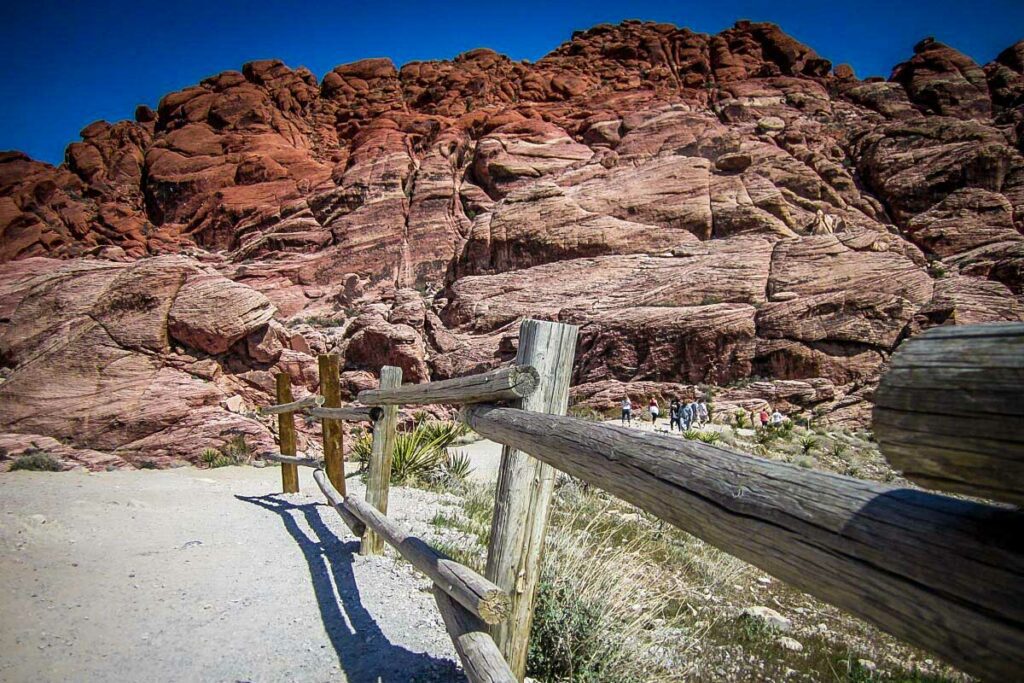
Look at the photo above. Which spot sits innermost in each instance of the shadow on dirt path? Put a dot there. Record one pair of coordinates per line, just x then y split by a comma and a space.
365, 655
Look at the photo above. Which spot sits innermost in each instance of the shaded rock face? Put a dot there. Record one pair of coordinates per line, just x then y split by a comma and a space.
708, 208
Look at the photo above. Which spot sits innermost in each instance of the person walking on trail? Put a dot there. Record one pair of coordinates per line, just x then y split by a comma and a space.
703, 416
675, 415
777, 418
653, 408
689, 414
627, 411
764, 417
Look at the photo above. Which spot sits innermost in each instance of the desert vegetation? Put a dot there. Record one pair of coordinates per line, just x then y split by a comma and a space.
626, 597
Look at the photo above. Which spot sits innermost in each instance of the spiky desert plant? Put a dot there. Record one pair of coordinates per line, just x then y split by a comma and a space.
709, 437
692, 434
418, 455
740, 419
808, 443
456, 467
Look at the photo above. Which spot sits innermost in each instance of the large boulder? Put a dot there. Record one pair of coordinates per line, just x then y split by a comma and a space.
89, 345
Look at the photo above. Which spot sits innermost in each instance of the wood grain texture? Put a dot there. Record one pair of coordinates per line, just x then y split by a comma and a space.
291, 406
286, 433
465, 586
503, 384
481, 660
292, 460
943, 574
949, 412
524, 488
336, 501
351, 413
333, 435
378, 480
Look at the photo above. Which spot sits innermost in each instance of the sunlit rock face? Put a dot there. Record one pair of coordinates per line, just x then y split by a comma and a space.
708, 208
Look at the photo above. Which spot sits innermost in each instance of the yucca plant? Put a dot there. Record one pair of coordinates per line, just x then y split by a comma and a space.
709, 437
691, 434
456, 466
808, 443
417, 456
740, 419
839, 449
446, 432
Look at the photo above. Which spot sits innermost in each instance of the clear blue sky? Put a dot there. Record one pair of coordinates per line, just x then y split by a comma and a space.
69, 63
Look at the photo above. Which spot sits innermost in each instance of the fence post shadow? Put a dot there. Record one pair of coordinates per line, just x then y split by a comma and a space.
365, 655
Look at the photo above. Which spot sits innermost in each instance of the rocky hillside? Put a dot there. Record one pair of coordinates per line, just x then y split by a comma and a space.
711, 209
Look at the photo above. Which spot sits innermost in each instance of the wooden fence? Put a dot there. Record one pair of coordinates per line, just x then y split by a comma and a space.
942, 573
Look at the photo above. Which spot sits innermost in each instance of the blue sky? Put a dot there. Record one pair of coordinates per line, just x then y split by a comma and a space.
67, 63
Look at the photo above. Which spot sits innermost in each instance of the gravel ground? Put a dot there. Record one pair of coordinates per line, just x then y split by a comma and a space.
188, 574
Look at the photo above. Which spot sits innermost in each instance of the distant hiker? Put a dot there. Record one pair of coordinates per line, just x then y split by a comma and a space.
703, 416
690, 414
777, 418
763, 417
675, 415
627, 411
653, 407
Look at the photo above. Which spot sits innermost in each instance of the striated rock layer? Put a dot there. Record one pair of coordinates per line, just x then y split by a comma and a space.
709, 208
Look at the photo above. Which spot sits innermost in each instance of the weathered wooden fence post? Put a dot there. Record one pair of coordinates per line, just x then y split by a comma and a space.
379, 479
286, 433
524, 489
330, 389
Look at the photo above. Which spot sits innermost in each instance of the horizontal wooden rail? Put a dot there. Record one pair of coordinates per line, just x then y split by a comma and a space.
292, 459
472, 591
338, 503
294, 406
351, 413
941, 573
949, 410
503, 384
481, 660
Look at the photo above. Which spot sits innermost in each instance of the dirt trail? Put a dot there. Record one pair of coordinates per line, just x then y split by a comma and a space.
188, 575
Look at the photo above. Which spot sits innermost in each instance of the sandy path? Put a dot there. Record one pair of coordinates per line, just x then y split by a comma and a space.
188, 575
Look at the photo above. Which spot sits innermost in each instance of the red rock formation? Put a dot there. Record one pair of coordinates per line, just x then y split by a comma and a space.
707, 207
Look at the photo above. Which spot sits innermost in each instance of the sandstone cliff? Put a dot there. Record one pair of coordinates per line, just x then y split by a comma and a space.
709, 208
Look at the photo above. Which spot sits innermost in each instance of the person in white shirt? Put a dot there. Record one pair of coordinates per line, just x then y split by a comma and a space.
627, 411
777, 419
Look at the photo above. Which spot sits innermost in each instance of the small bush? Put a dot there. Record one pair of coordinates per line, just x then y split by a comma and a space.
709, 437
692, 434
808, 444
456, 467
740, 419
38, 461
839, 449
586, 413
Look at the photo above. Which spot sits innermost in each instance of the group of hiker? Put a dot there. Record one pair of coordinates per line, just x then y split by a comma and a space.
686, 416
695, 414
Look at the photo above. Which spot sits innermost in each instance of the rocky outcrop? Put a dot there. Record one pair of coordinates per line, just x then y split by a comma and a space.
708, 208
132, 359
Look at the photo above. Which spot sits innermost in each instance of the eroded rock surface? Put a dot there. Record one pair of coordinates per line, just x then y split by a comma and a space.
709, 208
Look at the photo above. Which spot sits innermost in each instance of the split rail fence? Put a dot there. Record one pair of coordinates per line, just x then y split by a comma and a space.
942, 573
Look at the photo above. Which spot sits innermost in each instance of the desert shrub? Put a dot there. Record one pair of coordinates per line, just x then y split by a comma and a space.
235, 452
692, 434
709, 437
456, 467
808, 444
420, 454
739, 419
586, 413
839, 449
36, 461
